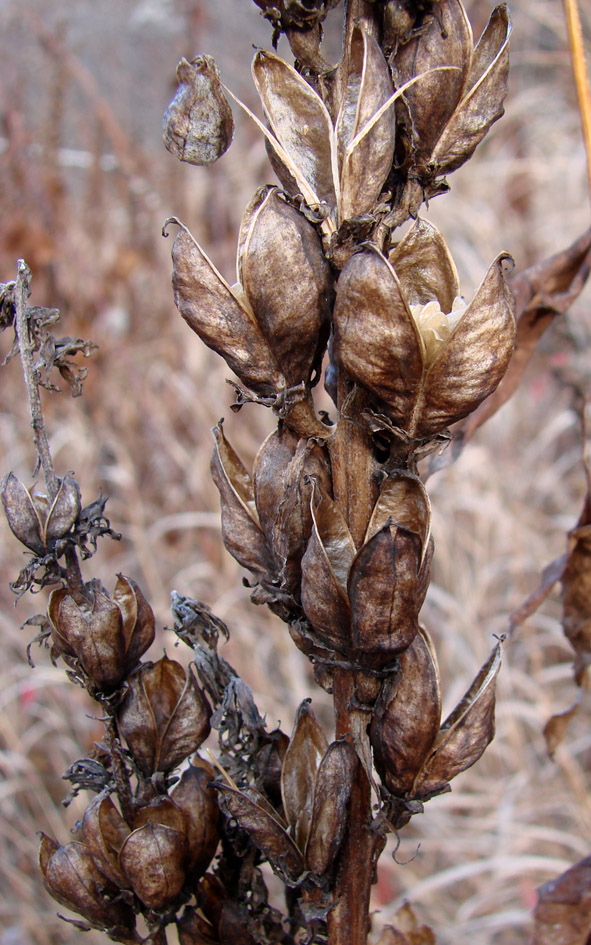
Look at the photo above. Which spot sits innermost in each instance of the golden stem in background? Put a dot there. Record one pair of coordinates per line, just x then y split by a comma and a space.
575, 38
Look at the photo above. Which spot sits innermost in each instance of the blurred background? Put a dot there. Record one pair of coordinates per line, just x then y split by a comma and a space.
85, 185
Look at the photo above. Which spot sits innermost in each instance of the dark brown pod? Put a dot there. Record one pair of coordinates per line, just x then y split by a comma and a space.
72, 878
198, 803
198, 124
334, 781
33, 519
193, 929
163, 716
307, 746
152, 860
105, 832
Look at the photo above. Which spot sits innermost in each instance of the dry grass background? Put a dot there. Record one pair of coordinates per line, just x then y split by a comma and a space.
84, 188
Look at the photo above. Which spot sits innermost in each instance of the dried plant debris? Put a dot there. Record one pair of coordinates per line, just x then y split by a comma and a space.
563, 913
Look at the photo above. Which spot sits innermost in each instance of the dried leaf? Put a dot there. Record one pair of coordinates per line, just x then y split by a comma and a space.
307, 746
406, 720
557, 726
465, 733
563, 913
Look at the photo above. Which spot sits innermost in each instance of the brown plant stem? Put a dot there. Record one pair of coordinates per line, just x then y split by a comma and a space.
575, 38
21, 293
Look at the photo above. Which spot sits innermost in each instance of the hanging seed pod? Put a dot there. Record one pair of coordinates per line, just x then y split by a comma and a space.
164, 716
198, 124
152, 860
107, 637
33, 519
71, 876
198, 802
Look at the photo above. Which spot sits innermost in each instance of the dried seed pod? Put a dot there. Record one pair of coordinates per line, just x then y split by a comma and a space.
269, 761
71, 876
198, 803
284, 469
198, 124
152, 860
307, 746
333, 785
163, 716
241, 530
406, 720
33, 519
193, 929
107, 637
105, 832
429, 366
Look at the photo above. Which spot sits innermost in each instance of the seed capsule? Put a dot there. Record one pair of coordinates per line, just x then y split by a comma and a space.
198, 124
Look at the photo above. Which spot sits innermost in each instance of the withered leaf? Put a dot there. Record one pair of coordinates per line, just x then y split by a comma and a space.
307, 746
406, 720
465, 733
334, 782
220, 318
265, 830
563, 913
151, 859
301, 124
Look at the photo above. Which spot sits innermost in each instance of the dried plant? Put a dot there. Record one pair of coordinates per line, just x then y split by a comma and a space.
333, 524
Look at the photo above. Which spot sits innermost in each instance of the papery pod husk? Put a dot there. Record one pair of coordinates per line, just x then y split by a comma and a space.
445, 39
334, 782
365, 160
287, 280
152, 859
325, 570
376, 341
465, 733
406, 719
198, 125
138, 620
198, 802
105, 831
301, 124
269, 762
164, 716
307, 746
21, 515
283, 472
95, 638
476, 356
482, 97
424, 265
63, 511
193, 929
265, 830
383, 595
161, 810
241, 531
73, 879
33, 519
404, 501
223, 321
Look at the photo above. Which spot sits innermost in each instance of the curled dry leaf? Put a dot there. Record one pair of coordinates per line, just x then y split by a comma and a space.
563, 913
198, 124
163, 716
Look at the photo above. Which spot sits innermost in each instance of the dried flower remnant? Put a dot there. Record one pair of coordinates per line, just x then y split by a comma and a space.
198, 124
385, 339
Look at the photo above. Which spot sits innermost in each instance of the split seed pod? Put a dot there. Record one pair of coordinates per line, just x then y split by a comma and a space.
271, 327
198, 124
33, 519
164, 716
403, 332
109, 636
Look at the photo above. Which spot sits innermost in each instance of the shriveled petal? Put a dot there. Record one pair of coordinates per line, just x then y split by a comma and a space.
365, 159
241, 531
287, 280
406, 720
445, 39
301, 124
383, 595
425, 268
222, 321
377, 342
306, 748
465, 733
483, 97
475, 358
